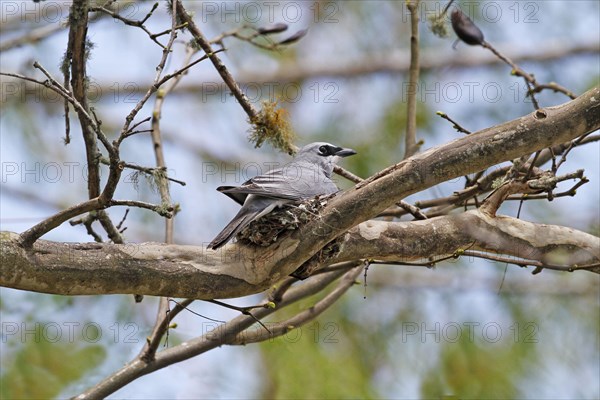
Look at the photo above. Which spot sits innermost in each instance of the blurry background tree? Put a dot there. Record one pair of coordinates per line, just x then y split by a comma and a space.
471, 328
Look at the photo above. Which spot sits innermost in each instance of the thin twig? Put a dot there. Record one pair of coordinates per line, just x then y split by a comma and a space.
533, 86
166, 212
251, 37
455, 124
278, 291
346, 174
132, 132
35, 232
158, 82
130, 22
517, 71
56, 87
556, 88
149, 171
244, 311
300, 319
164, 318
183, 15
120, 224
571, 146
413, 210
167, 31
184, 69
60, 90
87, 222
526, 263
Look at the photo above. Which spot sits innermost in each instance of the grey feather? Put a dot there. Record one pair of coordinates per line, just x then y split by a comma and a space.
307, 176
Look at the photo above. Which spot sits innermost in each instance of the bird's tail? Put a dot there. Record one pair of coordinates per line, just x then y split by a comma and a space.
239, 222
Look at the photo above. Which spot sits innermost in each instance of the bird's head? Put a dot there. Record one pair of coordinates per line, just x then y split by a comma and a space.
323, 154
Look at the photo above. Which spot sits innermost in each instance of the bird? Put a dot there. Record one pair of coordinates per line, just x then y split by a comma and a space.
308, 175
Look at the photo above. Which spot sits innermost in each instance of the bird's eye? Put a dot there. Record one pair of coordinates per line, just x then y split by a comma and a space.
324, 150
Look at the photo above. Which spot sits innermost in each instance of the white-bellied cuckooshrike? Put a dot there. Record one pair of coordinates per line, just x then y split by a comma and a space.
307, 176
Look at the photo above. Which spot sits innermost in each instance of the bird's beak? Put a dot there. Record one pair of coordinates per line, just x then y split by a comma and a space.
345, 152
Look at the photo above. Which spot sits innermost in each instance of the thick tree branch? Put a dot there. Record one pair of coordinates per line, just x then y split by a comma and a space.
76, 55
475, 230
193, 272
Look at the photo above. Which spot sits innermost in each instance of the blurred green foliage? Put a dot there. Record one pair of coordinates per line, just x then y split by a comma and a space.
42, 370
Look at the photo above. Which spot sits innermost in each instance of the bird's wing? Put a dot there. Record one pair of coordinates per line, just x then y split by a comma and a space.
289, 184
275, 189
298, 181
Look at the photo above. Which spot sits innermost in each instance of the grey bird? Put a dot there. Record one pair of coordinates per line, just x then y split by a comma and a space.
307, 176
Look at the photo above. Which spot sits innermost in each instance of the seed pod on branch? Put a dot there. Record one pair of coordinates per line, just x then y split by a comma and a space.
466, 29
272, 28
295, 37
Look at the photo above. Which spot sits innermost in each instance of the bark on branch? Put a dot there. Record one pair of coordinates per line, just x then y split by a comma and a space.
194, 272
